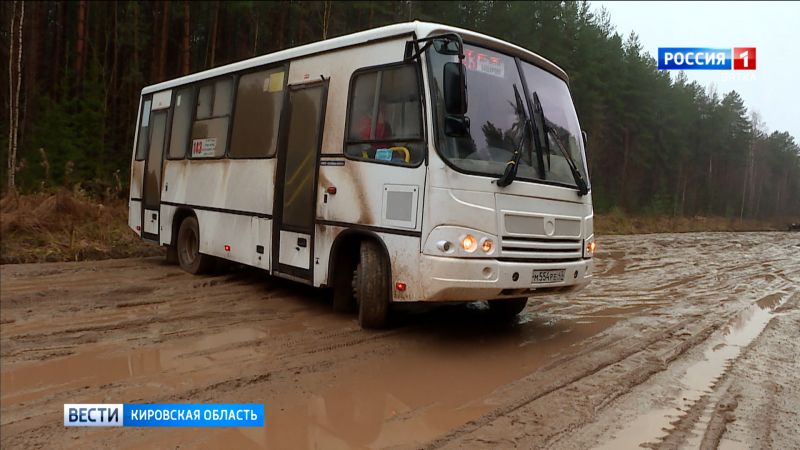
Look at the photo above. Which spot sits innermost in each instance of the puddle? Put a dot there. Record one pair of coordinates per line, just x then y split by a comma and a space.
104, 364
438, 383
444, 374
699, 378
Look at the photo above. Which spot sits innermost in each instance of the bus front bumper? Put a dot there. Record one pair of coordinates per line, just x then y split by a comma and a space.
466, 279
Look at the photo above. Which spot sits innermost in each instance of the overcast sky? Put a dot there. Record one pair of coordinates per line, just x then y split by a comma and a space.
773, 89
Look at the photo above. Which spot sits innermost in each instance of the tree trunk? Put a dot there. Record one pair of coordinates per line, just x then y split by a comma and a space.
255, 34
80, 47
214, 28
14, 97
326, 17
371, 14
282, 26
744, 187
710, 185
626, 140
683, 195
19, 86
185, 51
162, 53
55, 74
33, 57
115, 56
135, 8
155, 54
11, 154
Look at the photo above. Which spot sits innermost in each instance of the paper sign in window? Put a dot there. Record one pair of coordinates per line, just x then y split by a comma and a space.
204, 148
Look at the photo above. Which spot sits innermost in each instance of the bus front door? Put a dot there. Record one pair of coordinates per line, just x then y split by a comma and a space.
296, 180
151, 193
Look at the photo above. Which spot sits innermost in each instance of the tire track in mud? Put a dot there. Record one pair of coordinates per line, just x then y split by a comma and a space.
703, 424
460, 437
707, 400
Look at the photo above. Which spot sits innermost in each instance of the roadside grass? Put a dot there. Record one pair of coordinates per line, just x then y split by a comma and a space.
66, 226
71, 226
617, 222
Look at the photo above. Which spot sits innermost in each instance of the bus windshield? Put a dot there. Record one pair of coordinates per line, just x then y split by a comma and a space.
496, 127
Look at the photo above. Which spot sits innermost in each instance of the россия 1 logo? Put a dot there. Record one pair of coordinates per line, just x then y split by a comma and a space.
702, 58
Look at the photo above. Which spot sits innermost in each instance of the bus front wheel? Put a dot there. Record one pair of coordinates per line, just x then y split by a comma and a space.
371, 286
189, 256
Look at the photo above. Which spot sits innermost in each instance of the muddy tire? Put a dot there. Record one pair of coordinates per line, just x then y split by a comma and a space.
189, 256
506, 309
372, 286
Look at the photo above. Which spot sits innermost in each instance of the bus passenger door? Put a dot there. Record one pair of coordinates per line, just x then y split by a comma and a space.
151, 190
296, 180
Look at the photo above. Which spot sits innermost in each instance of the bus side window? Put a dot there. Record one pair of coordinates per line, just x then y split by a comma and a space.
181, 121
212, 118
259, 98
144, 130
385, 116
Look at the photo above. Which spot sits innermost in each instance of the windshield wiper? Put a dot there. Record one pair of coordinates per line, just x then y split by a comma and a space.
583, 188
511, 166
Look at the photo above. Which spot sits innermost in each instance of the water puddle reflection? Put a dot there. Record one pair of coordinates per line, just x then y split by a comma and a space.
104, 364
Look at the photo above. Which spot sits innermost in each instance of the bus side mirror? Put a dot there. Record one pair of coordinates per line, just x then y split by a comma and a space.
456, 126
585, 139
455, 89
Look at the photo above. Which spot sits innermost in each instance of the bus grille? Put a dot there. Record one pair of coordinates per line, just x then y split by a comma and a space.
542, 249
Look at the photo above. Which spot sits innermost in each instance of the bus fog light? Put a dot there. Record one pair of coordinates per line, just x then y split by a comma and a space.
469, 243
444, 246
487, 245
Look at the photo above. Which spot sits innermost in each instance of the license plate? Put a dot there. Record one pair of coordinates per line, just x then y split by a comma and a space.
547, 276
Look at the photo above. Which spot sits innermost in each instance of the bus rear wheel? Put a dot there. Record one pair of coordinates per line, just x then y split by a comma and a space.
509, 308
371, 286
189, 256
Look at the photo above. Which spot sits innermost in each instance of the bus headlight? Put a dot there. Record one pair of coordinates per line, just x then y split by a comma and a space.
450, 240
469, 243
590, 248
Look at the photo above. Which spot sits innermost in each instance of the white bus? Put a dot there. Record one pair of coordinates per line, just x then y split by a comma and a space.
413, 162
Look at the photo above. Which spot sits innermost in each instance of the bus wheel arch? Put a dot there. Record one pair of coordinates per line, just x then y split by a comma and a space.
172, 248
186, 242
346, 253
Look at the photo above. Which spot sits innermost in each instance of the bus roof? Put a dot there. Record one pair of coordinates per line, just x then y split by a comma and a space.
420, 29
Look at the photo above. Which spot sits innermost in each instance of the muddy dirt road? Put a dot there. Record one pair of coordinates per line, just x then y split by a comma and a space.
682, 341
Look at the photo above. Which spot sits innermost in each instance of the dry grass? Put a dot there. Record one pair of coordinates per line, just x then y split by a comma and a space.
618, 223
66, 226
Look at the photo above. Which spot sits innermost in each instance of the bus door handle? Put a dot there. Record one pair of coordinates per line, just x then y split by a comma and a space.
302, 242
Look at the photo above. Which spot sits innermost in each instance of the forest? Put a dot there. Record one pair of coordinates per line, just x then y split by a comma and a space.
658, 144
